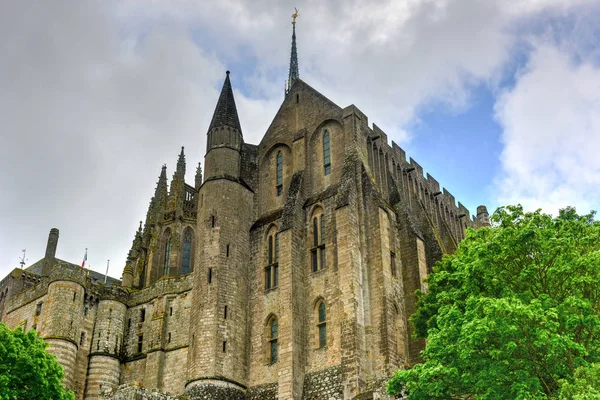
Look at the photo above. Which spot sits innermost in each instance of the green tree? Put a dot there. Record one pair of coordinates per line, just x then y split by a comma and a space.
27, 371
585, 386
513, 313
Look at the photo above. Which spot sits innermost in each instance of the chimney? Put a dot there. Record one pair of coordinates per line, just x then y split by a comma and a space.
50, 251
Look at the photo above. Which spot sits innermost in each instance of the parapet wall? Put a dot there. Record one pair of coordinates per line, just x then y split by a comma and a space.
410, 172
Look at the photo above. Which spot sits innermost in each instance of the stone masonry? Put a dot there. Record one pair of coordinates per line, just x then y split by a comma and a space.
287, 270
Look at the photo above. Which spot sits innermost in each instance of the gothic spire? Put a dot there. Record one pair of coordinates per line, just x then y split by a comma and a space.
181, 163
226, 112
198, 180
160, 194
294, 74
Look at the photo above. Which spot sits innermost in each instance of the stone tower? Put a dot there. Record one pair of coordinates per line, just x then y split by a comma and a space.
218, 324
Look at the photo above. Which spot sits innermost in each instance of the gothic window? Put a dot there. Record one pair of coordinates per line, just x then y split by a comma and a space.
326, 154
167, 252
279, 174
186, 252
322, 324
273, 330
272, 268
393, 263
318, 255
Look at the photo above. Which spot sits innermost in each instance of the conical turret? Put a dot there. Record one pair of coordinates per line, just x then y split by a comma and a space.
225, 114
224, 138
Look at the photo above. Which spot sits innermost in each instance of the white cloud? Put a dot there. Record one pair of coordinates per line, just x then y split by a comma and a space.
551, 122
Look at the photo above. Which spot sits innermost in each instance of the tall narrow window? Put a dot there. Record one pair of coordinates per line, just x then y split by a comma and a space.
322, 244
393, 263
186, 252
326, 154
318, 255
279, 174
322, 325
315, 259
140, 343
167, 253
273, 333
272, 268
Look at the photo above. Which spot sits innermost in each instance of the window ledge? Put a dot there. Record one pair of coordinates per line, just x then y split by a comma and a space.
273, 289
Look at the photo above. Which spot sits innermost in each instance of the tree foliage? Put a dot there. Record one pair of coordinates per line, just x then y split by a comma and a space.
513, 314
27, 371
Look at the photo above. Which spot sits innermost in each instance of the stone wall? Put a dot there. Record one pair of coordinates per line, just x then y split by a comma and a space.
325, 384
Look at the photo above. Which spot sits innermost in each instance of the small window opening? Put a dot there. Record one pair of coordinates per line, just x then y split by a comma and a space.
85, 310
129, 323
225, 313
142, 315
82, 338
279, 174
169, 338
212, 221
393, 263
38, 309
140, 343
210, 275
170, 311
273, 334
227, 251
322, 325
74, 296
297, 98
224, 346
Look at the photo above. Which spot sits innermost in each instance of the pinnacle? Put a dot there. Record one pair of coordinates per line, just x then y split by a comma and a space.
225, 111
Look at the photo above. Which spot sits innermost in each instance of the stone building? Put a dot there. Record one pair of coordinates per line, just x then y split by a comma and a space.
287, 271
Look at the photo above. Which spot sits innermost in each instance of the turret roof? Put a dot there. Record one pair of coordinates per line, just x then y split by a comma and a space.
226, 112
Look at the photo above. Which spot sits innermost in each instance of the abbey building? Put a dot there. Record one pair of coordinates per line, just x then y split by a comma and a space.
287, 271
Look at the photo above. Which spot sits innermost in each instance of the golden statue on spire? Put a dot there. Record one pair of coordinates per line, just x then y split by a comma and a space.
294, 16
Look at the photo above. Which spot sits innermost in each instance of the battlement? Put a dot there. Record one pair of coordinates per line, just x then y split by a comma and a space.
405, 172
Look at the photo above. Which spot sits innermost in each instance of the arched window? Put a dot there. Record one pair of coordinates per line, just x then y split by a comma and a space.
272, 268
326, 154
167, 253
279, 174
273, 334
186, 252
322, 324
318, 250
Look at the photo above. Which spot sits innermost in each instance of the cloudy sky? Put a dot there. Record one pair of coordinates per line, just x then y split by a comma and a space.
499, 100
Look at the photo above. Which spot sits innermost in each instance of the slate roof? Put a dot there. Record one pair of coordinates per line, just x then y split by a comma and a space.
226, 112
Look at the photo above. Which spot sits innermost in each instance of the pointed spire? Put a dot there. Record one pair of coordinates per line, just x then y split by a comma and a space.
160, 194
198, 180
181, 164
226, 112
294, 74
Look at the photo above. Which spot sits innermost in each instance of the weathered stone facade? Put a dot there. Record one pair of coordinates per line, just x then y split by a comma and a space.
287, 271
